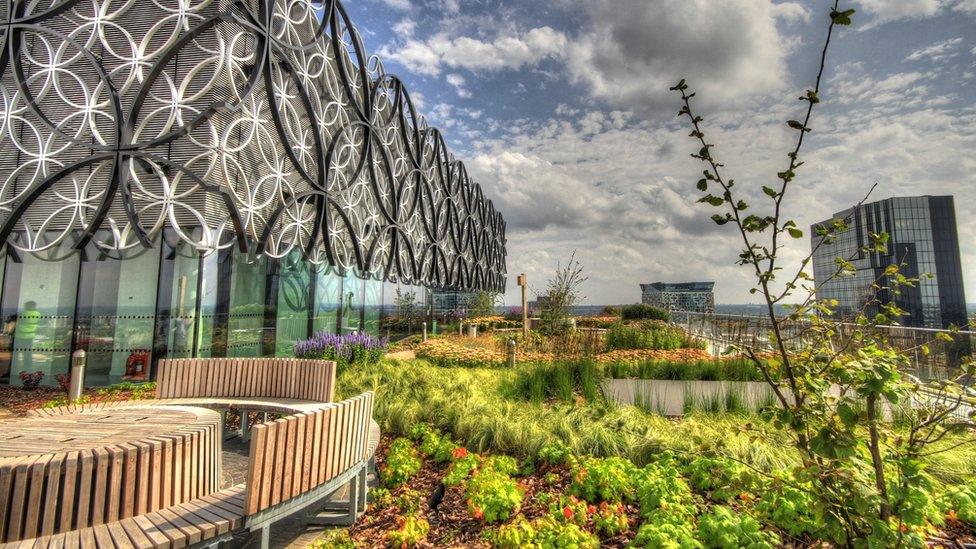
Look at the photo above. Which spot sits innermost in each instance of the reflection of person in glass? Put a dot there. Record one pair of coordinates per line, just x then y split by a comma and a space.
27, 323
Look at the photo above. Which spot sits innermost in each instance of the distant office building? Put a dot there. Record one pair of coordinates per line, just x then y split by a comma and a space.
445, 301
680, 296
923, 238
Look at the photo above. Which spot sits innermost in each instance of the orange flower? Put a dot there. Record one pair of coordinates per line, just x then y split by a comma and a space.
567, 512
590, 509
459, 452
603, 506
478, 513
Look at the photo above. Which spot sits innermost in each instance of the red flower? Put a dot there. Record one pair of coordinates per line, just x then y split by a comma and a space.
590, 509
603, 506
459, 452
567, 512
478, 513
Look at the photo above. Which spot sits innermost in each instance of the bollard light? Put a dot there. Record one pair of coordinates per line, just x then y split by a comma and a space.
77, 383
424, 326
511, 353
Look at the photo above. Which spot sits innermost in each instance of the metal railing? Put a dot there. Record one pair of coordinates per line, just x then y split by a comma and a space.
939, 362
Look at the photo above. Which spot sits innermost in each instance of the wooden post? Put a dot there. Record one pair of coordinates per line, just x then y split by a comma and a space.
525, 305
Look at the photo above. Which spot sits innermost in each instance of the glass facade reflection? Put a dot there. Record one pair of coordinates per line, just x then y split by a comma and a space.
923, 240
129, 309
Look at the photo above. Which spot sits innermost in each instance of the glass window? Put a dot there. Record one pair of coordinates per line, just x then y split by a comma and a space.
293, 305
373, 298
117, 313
352, 302
245, 316
208, 328
328, 286
178, 302
38, 313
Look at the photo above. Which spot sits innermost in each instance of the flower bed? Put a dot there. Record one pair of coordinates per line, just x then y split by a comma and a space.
358, 348
482, 352
452, 497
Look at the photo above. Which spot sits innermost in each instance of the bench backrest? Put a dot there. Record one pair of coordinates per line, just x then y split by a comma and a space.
293, 378
295, 454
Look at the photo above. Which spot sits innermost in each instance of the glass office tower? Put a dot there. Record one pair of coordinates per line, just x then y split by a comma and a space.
923, 240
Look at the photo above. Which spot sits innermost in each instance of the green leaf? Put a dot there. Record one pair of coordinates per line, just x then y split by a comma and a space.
770, 192
711, 199
720, 219
797, 125
794, 232
681, 86
702, 185
841, 17
847, 415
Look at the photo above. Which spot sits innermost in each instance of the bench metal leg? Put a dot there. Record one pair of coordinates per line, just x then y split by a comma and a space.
245, 425
361, 507
342, 513
264, 537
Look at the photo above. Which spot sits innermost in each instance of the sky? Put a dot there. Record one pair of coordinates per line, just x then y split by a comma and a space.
560, 109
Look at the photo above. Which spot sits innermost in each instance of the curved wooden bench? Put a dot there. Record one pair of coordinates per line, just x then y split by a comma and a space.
296, 463
69, 468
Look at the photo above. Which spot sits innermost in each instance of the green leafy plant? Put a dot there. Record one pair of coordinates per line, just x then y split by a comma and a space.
463, 463
402, 463
723, 528
413, 530
334, 539
663, 495
959, 502
721, 477
544, 533
555, 453
787, 507
492, 496
610, 520
666, 535
640, 311
506, 465
606, 479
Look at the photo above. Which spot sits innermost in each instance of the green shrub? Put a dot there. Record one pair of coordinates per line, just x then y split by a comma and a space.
626, 336
437, 446
610, 520
666, 535
402, 463
555, 453
544, 533
607, 479
413, 530
723, 478
960, 501
335, 539
639, 311
493, 496
725, 529
789, 508
380, 498
663, 495
463, 463
505, 465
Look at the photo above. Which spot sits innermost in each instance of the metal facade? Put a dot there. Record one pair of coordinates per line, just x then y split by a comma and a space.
260, 124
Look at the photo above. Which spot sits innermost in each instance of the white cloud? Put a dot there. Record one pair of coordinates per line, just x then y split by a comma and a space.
405, 27
940, 51
457, 81
633, 50
791, 12
398, 4
508, 51
966, 6
883, 11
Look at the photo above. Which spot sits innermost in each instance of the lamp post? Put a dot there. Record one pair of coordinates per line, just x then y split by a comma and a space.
525, 305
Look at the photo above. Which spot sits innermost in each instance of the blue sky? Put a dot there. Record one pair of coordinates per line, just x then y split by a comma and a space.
561, 111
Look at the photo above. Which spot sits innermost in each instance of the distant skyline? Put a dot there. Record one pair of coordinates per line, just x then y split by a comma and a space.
561, 111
